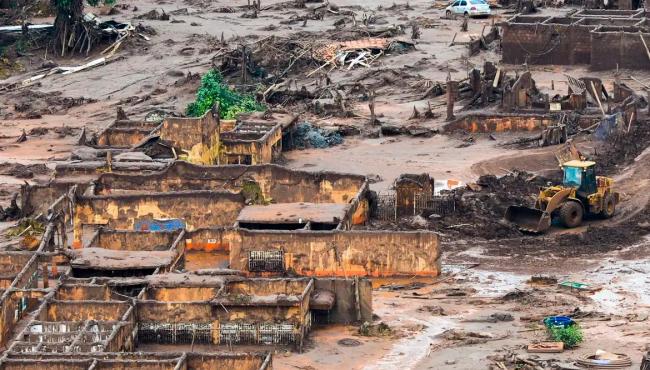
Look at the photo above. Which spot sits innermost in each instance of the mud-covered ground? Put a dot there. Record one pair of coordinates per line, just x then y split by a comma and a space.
162, 73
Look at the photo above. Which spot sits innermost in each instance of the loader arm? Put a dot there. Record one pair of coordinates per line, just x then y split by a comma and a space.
557, 200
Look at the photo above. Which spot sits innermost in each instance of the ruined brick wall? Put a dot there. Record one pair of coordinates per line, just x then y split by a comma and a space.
206, 312
252, 361
612, 48
35, 199
195, 208
134, 241
281, 184
511, 122
185, 133
83, 292
121, 137
532, 43
85, 310
340, 253
499, 123
261, 151
346, 310
11, 311
38, 364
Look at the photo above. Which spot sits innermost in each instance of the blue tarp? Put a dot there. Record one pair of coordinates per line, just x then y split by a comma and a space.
160, 225
608, 125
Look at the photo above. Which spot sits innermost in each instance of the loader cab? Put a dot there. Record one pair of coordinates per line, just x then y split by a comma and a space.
580, 175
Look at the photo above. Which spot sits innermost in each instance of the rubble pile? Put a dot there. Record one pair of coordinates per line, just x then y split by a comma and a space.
268, 60
622, 147
308, 136
480, 207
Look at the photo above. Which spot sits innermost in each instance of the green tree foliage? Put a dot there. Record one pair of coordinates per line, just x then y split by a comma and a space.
570, 335
231, 103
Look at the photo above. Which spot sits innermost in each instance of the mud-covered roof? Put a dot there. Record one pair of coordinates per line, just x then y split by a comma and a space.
107, 259
294, 213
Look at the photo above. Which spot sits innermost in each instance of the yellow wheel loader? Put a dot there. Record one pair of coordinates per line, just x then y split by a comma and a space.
581, 193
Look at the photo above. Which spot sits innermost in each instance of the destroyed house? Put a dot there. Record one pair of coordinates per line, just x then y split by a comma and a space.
263, 220
603, 39
251, 139
234, 190
255, 139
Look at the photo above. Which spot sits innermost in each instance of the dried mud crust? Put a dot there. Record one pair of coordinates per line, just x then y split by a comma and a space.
597, 238
22, 171
34, 104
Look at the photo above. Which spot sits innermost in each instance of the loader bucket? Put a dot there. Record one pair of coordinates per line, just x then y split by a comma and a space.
528, 219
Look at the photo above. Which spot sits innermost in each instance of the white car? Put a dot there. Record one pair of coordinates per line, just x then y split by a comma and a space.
468, 8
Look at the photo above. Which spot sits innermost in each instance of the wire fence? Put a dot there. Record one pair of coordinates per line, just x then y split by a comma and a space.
389, 209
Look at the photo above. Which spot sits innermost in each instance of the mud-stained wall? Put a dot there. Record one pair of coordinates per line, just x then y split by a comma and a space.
196, 361
245, 287
85, 310
341, 253
134, 240
261, 151
83, 292
281, 184
573, 40
37, 199
11, 263
140, 361
346, 309
500, 123
186, 133
181, 294
15, 305
203, 312
125, 133
510, 122
622, 48
13, 364
195, 208
121, 137
138, 365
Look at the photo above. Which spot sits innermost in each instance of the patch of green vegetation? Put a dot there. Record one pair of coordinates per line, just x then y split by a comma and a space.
252, 192
27, 227
571, 335
240, 298
231, 103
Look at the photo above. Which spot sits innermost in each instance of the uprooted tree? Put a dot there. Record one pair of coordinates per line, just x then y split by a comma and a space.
71, 31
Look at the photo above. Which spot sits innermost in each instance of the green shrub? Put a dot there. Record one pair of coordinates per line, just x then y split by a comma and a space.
571, 336
231, 103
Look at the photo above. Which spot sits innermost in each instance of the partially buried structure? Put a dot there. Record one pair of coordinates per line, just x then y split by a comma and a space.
165, 264
602, 39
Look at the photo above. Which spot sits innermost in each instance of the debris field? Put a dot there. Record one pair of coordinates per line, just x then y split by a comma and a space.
190, 184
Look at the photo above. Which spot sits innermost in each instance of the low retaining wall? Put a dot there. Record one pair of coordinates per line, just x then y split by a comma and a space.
510, 122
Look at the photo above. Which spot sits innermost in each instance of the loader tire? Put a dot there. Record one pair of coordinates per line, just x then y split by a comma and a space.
609, 206
571, 214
